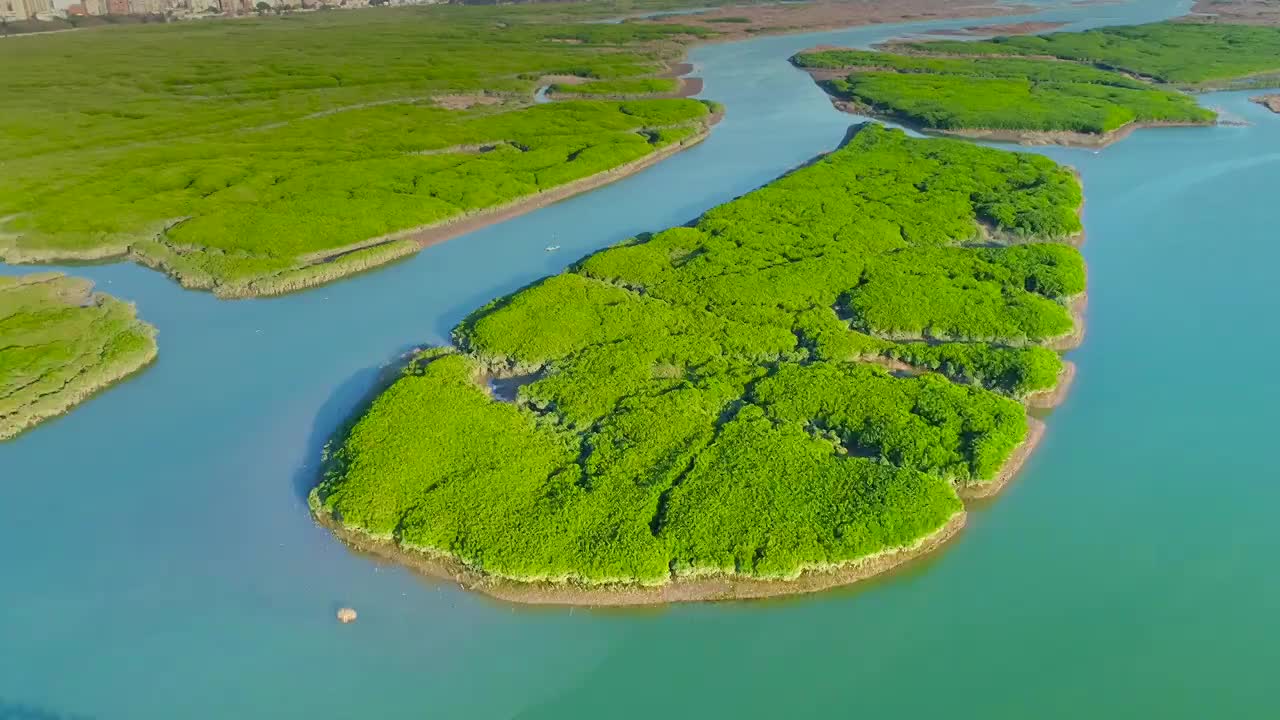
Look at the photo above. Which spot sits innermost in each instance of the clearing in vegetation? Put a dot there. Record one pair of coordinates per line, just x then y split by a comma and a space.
266, 155
59, 343
711, 400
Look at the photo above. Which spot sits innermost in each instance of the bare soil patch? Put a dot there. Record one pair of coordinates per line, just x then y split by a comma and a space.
462, 102
1270, 102
1248, 12
830, 15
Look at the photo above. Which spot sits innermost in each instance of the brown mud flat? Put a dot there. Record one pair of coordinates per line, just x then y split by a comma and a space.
1077, 306
1247, 12
463, 102
772, 19
1061, 137
677, 70
977, 491
1054, 396
682, 589
1270, 102
1022, 28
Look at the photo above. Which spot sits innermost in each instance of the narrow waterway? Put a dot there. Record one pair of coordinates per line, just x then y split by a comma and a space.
159, 562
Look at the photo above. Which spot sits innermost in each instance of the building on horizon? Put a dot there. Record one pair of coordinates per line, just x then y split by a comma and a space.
25, 9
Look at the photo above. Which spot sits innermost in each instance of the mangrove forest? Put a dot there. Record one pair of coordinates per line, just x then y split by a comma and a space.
1061, 87
271, 154
59, 343
805, 377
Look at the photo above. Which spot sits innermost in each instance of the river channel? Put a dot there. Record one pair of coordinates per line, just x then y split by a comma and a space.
160, 563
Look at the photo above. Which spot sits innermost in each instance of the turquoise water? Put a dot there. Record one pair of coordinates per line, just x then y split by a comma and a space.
159, 561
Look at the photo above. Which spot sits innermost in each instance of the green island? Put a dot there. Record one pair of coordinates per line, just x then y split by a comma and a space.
1086, 88
59, 343
1189, 55
267, 155
793, 392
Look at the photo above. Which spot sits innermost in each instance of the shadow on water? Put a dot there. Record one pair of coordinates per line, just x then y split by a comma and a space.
10, 710
347, 403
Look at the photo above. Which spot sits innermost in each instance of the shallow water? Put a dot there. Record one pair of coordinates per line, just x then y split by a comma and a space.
159, 561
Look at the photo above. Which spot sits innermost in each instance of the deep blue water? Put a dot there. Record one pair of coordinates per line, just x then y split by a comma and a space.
159, 561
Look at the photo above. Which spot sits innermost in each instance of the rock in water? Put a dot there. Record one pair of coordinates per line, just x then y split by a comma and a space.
346, 615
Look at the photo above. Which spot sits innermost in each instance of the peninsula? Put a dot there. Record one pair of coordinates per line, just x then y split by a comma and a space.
1088, 88
793, 392
60, 342
241, 158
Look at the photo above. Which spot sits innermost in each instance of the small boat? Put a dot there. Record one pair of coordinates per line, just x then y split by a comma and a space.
552, 248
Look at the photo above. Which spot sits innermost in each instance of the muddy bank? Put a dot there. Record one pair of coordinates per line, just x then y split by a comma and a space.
371, 253
682, 589
1054, 396
1270, 102
1077, 306
1248, 12
976, 491
738, 22
1065, 138
1022, 28
1061, 137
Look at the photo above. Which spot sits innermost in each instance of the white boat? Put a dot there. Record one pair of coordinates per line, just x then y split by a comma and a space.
552, 248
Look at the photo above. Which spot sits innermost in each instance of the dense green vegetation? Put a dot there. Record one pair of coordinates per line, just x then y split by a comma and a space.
1188, 54
625, 86
246, 156
1000, 93
60, 342
707, 399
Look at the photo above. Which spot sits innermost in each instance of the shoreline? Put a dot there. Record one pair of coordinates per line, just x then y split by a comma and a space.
720, 587
827, 17
1053, 397
703, 588
1027, 138
979, 491
418, 238
1270, 102
104, 378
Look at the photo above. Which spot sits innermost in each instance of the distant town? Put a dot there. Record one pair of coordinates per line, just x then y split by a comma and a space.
47, 10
